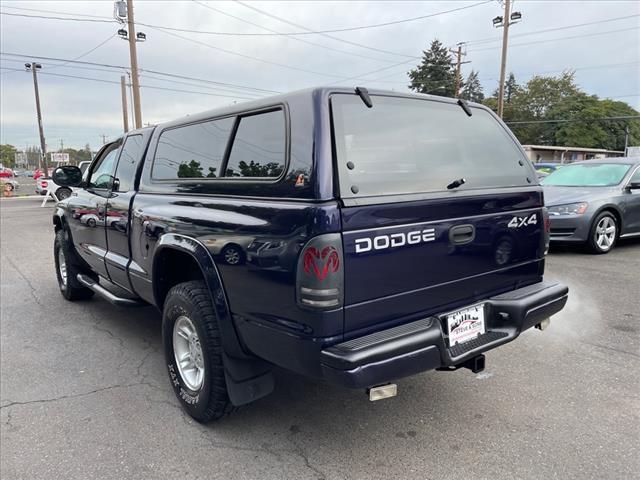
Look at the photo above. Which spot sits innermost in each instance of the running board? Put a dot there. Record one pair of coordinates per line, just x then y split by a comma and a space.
106, 294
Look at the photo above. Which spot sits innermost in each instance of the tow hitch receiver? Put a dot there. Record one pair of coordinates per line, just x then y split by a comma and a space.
475, 364
382, 391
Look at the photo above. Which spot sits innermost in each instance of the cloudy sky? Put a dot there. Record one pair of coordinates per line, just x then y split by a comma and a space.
550, 38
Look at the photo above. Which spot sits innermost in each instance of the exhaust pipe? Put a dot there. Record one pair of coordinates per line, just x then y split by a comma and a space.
544, 324
382, 391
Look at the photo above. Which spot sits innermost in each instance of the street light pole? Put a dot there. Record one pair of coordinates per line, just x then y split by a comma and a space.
503, 61
43, 146
505, 21
133, 52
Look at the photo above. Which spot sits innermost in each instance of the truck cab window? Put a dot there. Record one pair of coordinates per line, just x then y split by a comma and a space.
102, 174
126, 171
258, 147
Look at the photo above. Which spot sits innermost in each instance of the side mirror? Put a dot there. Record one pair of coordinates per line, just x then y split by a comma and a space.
67, 176
633, 186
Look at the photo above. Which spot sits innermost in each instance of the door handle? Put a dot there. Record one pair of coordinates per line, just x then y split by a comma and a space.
462, 234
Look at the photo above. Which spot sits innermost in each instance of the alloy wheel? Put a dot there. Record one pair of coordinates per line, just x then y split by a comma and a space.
188, 353
62, 267
605, 233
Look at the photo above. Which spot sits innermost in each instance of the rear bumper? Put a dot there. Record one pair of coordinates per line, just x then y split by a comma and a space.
421, 345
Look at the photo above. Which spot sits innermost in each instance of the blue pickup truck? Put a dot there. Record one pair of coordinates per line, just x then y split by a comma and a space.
352, 236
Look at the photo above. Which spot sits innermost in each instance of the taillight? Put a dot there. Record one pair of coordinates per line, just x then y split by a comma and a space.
547, 229
44, 184
320, 273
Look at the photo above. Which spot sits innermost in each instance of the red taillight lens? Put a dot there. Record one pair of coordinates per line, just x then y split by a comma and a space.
320, 273
44, 184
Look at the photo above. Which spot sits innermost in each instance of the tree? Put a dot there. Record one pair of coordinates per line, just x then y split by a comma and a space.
511, 87
7, 155
546, 98
435, 75
472, 89
192, 169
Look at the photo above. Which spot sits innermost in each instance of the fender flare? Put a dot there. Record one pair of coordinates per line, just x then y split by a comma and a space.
248, 377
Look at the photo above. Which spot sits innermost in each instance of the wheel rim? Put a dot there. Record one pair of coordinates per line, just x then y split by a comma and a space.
62, 267
188, 353
232, 256
605, 233
64, 194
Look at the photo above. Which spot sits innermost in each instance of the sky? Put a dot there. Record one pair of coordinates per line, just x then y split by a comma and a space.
77, 111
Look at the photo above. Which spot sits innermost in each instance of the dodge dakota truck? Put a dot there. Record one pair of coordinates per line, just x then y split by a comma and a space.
352, 236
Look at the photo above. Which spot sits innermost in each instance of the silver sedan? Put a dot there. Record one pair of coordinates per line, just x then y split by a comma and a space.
594, 202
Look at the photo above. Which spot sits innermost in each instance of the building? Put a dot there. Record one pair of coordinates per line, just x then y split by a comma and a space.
556, 154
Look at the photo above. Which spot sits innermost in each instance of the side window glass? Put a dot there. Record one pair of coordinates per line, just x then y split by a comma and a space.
636, 176
102, 174
192, 151
258, 147
128, 162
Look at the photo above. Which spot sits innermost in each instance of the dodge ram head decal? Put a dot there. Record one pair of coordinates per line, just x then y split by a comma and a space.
321, 262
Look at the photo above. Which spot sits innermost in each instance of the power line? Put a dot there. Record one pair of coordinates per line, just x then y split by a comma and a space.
56, 12
120, 67
325, 34
537, 42
242, 55
567, 120
534, 72
289, 37
565, 27
308, 32
101, 80
191, 84
87, 52
93, 20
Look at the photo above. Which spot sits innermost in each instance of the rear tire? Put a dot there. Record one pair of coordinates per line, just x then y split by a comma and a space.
193, 352
603, 233
67, 269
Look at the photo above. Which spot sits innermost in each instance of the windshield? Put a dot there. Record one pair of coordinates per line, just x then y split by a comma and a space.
588, 175
409, 145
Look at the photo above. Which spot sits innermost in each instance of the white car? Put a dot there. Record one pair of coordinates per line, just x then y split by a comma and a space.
47, 184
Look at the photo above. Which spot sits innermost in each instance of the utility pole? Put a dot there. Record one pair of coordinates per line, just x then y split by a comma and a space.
504, 22
123, 93
459, 54
61, 145
104, 138
43, 146
133, 52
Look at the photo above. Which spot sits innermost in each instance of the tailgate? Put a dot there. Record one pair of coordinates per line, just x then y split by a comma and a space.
411, 259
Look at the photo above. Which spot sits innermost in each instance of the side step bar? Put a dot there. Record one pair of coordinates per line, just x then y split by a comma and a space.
106, 294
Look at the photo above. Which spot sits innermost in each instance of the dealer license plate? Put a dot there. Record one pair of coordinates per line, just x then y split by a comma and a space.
466, 324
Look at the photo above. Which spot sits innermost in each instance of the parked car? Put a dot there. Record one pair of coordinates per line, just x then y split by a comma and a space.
594, 202
547, 167
48, 184
394, 216
6, 173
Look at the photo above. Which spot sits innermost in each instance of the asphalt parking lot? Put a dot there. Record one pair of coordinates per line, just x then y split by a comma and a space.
84, 392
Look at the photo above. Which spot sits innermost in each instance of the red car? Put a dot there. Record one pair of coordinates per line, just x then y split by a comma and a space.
37, 174
6, 173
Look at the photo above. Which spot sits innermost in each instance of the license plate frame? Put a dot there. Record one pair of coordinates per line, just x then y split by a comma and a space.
465, 324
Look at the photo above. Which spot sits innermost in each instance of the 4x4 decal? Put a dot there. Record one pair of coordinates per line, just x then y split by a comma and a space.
517, 222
